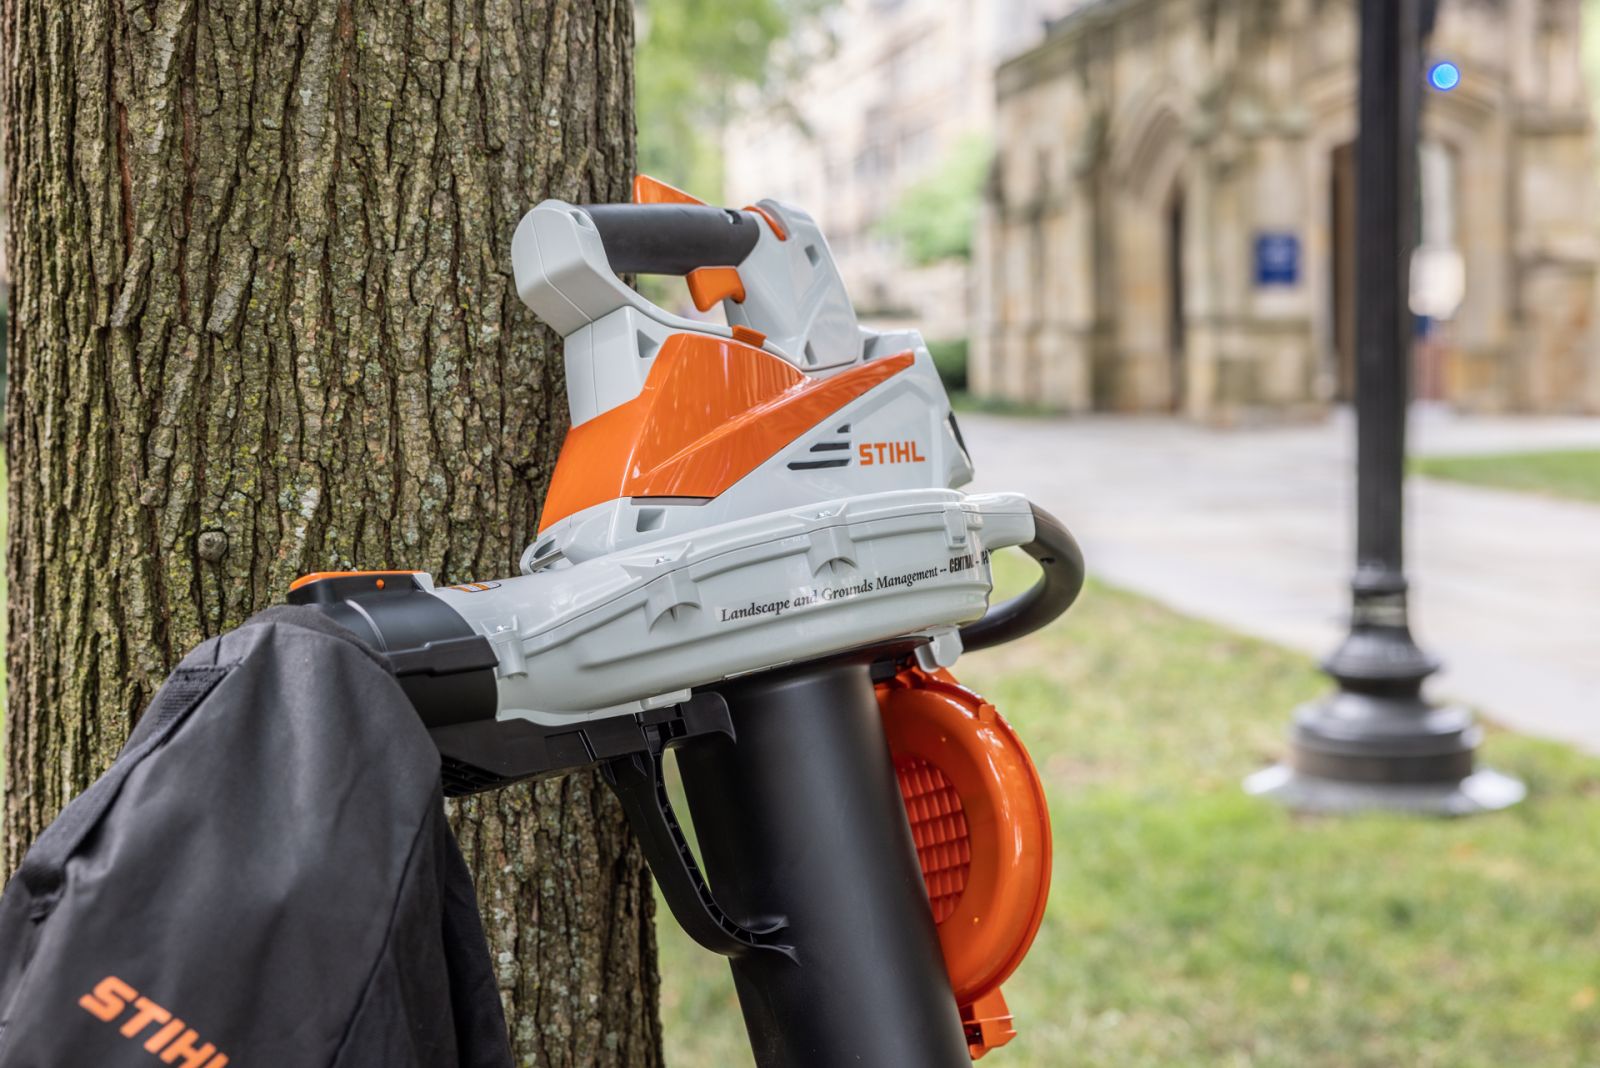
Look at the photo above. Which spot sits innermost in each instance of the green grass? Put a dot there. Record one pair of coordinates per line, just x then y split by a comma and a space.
1574, 473
963, 401
1192, 925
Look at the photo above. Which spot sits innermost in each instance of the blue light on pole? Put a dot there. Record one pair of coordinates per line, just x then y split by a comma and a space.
1444, 76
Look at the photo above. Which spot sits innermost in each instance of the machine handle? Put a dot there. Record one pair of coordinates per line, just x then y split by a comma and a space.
1061, 560
672, 238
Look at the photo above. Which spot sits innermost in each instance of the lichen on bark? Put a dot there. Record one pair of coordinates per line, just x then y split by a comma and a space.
262, 293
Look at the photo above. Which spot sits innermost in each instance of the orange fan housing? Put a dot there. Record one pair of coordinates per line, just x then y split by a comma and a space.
982, 832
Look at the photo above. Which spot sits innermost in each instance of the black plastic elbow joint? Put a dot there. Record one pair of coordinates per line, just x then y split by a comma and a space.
446, 669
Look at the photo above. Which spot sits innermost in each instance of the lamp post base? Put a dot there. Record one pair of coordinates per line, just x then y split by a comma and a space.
1376, 742
1355, 751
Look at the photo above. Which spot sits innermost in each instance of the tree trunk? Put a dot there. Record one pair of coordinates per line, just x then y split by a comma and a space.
264, 323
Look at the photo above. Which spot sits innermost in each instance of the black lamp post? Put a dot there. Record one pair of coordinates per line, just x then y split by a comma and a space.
1377, 742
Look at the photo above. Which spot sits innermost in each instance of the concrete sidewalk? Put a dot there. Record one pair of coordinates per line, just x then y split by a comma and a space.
1254, 529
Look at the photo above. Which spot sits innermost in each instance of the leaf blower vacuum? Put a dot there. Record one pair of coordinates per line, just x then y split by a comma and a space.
753, 551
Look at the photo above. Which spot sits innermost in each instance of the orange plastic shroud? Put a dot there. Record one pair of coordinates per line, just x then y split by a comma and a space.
711, 411
648, 190
982, 832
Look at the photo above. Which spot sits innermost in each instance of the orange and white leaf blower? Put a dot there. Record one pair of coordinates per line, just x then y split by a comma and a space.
754, 550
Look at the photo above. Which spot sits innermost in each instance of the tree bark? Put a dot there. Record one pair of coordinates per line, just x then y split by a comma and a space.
263, 323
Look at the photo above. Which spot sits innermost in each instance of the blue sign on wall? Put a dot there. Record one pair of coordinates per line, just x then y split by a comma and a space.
1277, 259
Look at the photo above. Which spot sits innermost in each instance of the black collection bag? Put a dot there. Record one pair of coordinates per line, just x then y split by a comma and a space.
264, 878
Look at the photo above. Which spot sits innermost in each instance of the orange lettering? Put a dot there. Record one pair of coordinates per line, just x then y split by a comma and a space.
111, 995
148, 1011
184, 1047
917, 457
880, 446
866, 455
163, 1036
171, 1040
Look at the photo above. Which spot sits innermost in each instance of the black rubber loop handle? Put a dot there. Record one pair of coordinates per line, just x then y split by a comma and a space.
672, 238
1059, 557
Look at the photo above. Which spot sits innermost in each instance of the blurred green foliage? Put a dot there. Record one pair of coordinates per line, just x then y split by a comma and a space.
934, 218
950, 357
695, 61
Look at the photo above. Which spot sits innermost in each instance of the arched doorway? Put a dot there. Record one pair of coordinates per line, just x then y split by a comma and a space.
1149, 245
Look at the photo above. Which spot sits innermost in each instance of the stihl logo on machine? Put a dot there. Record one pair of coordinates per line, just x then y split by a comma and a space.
890, 452
173, 1041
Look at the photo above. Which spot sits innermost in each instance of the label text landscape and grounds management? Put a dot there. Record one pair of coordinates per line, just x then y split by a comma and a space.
805, 598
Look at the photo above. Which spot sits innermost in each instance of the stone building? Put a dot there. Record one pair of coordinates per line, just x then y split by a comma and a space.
906, 83
1170, 222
